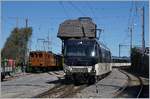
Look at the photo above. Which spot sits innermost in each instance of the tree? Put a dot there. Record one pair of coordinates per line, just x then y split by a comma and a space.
16, 44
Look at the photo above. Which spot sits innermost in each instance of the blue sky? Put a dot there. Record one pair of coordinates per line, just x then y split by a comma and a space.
45, 17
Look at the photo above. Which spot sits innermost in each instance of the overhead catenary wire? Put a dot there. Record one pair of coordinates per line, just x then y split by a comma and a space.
91, 9
130, 22
130, 25
66, 13
78, 9
130, 14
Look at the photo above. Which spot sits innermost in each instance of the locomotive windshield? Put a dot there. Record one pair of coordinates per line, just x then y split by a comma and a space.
80, 49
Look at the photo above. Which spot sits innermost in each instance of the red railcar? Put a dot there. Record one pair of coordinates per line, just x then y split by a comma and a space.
7, 67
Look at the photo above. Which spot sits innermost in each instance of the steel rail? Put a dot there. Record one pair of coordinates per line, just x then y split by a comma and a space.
129, 80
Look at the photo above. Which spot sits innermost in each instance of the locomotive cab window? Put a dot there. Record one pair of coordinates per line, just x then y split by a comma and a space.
80, 49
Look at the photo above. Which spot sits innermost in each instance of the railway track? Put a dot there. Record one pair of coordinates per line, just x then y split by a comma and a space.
61, 91
133, 88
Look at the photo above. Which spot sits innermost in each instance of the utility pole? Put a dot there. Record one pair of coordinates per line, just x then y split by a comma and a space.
26, 20
143, 39
49, 42
44, 45
40, 39
131, 32
119, 50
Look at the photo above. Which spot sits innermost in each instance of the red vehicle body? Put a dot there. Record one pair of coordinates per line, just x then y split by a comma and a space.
7, 65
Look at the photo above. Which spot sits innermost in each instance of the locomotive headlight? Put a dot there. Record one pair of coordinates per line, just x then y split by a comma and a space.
93, 53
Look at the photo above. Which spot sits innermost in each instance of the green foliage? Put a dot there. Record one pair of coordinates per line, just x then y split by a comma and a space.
16, 44
140, 62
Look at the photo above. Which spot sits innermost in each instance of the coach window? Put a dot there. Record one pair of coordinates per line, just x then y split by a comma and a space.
109, 57
100, 55
105, 56
97, 51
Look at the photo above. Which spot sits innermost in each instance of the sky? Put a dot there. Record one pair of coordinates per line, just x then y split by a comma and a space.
45, 16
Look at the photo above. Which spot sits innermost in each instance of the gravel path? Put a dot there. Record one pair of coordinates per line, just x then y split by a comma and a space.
106, 87
28, 85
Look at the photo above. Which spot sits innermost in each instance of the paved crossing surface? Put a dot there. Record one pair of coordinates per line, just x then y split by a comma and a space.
29, 85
